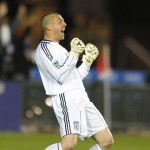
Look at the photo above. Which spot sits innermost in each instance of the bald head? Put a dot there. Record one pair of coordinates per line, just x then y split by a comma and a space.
53, 26
48, 20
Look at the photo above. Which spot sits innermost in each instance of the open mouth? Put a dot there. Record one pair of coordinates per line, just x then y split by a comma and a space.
62, 31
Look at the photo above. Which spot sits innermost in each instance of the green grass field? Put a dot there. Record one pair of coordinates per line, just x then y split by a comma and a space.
38, 141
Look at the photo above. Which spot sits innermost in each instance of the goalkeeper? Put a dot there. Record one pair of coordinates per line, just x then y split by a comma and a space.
62, 80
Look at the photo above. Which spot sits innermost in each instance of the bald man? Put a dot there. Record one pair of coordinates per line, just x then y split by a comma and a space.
62, 80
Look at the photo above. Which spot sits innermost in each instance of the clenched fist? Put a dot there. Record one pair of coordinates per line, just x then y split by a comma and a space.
91, 53
77, 47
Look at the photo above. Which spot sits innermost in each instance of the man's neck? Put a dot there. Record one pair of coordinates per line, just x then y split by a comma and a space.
50, 38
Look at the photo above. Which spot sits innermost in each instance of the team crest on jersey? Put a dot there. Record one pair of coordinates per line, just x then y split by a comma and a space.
56, 64
76, 125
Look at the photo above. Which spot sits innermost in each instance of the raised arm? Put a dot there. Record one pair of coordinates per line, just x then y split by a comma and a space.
59, 64
91, 53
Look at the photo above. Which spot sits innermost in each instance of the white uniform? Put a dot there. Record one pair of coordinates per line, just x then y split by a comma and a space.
58, 69
63, 82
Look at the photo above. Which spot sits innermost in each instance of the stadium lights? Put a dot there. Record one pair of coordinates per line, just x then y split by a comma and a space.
48, 102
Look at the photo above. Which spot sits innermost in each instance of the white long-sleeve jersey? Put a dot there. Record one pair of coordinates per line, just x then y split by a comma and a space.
58, 68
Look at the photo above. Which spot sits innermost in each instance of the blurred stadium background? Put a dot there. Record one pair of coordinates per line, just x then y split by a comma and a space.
119, 80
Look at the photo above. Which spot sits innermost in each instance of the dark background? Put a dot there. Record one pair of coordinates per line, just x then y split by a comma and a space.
127, 18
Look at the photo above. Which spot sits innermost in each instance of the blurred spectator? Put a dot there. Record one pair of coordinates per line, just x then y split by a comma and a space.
6, 47
20, 30
21, 14
5, 35
26, 33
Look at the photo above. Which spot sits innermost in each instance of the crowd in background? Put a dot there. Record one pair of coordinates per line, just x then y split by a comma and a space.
20, 34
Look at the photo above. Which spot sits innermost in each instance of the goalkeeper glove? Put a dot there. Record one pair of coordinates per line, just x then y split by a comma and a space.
77, 47
91, 53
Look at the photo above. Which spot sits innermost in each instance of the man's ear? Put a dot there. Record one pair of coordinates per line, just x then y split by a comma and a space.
49, 27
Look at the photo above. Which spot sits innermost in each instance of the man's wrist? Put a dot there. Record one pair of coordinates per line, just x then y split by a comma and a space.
75, 54
87, 61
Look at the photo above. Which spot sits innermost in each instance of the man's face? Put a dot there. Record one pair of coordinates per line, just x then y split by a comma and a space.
58, 28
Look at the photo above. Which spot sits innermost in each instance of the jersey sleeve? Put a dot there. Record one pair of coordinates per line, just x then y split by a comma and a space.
58, 66
83, 70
